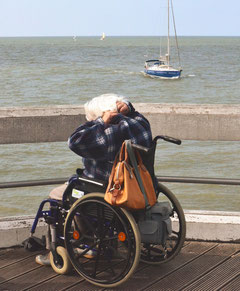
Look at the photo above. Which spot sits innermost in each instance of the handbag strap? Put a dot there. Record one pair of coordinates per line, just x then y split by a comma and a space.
134, 164
121, 154
118, 158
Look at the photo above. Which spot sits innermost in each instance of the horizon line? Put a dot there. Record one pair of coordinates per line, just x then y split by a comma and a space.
9, 36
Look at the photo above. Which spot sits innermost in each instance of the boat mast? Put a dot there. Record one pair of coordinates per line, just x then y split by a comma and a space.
179, 62
168, 51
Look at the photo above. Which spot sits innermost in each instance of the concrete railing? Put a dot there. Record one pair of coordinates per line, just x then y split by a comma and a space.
184, 121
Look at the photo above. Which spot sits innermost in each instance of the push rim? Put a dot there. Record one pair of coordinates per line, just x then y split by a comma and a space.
109, 243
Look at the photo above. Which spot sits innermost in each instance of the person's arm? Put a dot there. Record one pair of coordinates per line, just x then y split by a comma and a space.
89, 140
101, 139
136, 128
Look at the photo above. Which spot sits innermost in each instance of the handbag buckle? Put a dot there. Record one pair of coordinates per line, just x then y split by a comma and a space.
116, 187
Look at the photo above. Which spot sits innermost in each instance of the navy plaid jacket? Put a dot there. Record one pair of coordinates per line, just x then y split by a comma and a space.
99, 143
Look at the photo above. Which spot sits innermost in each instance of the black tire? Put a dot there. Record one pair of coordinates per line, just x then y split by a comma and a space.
158, 254
102, 241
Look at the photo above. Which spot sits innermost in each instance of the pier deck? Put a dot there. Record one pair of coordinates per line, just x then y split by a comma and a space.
199, 266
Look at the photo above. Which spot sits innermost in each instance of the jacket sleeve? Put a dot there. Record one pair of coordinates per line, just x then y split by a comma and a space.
89, 140
95, 140
136, 127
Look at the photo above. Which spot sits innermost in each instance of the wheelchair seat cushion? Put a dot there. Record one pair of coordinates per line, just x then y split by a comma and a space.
57, 193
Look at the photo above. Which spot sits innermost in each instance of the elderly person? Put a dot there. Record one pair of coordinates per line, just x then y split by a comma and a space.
112, 119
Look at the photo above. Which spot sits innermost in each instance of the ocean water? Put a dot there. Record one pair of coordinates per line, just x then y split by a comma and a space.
47, 71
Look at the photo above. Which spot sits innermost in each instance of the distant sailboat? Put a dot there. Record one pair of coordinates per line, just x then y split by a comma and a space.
161, 67
74, 38
103, 36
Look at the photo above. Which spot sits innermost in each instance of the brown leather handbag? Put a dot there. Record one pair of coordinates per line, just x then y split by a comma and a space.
130, 184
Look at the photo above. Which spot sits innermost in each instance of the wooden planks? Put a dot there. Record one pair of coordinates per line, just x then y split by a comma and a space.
199, 266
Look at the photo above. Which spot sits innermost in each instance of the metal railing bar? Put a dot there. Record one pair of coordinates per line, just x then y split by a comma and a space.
198, 180
42, 182
56, 181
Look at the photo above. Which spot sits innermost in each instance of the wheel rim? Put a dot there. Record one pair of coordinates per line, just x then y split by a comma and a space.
108, 237
60, 263
157, 254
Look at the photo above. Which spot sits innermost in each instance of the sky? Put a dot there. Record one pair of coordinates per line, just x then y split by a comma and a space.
117, 18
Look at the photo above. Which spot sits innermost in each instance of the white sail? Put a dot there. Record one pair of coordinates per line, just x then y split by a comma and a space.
103, 36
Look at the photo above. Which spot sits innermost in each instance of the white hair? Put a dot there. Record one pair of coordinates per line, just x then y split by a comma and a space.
98, 105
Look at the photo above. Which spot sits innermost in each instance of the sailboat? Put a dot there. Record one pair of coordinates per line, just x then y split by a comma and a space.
161, 67
103, 36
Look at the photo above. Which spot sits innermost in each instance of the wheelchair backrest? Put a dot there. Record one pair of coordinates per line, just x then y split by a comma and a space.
148, 158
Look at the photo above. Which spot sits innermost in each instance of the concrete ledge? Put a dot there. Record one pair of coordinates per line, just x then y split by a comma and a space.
213, 226
184, 121
14, 230
39, 124
201, 225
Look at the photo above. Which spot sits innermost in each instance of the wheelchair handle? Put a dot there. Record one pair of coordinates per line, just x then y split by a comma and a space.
140, 148
168, 139
164, 137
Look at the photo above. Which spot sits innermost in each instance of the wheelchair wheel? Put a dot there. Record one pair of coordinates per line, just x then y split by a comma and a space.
102, 241
158, 254
64, 265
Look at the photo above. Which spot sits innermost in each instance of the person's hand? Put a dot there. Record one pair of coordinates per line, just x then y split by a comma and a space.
108, 116
122, 108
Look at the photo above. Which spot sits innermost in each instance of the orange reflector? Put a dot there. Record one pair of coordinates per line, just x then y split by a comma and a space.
76, 234
121, 236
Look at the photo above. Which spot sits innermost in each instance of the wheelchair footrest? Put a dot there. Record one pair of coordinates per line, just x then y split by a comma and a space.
34, 243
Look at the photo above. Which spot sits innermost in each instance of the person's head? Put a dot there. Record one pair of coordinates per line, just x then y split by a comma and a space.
98, 105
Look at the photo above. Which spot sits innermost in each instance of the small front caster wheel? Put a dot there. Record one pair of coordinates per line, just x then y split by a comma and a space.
64, 265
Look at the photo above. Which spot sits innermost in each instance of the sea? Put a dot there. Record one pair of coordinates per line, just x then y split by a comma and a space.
44, 71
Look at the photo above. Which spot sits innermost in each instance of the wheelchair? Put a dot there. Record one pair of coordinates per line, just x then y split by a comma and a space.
102, 242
